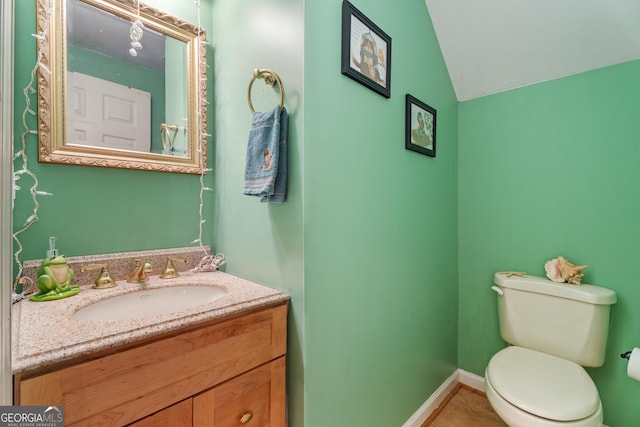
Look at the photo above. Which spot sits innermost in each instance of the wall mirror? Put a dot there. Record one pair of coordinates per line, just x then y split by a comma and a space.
120, 85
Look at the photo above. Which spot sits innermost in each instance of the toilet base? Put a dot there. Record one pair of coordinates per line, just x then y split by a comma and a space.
515, 417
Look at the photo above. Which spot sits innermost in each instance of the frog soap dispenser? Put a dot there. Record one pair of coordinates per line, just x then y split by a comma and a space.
54, 277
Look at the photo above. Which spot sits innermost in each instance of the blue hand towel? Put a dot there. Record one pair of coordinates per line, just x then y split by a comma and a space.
265, 173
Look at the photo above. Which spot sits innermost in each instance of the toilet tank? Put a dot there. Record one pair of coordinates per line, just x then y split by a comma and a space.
568, 321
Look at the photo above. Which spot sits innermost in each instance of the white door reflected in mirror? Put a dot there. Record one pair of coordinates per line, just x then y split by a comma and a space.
108, 115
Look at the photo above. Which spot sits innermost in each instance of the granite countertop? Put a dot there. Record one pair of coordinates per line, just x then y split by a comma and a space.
45, 333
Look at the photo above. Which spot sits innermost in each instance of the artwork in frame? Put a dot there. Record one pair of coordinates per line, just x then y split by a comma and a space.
366, 51
420, 127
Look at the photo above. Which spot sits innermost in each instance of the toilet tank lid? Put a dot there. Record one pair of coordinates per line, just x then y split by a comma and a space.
585, 293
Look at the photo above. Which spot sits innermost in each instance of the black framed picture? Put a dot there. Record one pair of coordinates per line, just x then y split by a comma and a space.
420, 127
366, 51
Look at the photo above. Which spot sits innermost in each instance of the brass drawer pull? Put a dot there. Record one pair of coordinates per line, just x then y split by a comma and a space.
246, 417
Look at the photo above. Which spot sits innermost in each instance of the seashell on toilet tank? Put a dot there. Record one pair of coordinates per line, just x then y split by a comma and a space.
561, 270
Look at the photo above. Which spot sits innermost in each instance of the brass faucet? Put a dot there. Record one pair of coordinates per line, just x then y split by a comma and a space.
139, 275
170, 269
104, 279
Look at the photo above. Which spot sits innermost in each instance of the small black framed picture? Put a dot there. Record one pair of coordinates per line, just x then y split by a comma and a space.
366, 51
420, 127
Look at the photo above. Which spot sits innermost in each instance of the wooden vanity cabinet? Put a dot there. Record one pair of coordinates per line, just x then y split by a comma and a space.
226, 373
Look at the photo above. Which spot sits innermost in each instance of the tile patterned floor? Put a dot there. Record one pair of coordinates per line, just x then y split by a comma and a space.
466, 407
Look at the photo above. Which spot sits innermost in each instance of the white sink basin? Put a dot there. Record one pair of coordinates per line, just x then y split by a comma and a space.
150, 302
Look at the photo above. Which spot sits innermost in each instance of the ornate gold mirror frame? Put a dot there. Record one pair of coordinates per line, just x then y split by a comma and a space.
53, 143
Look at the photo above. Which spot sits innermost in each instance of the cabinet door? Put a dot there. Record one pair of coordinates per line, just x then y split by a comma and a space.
254, 399
178, 415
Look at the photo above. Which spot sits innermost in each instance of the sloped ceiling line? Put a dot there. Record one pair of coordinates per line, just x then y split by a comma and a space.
491, 46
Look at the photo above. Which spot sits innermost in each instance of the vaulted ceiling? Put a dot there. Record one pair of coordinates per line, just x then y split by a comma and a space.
491, 46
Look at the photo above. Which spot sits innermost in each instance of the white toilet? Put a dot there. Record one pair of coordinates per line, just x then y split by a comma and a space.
553, 330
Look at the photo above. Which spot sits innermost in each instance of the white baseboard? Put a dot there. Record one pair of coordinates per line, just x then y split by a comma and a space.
438, 396
471, 380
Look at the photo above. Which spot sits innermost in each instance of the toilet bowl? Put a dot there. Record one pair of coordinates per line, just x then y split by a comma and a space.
528, 388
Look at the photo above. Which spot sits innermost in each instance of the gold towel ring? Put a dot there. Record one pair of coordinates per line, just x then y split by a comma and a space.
270, 78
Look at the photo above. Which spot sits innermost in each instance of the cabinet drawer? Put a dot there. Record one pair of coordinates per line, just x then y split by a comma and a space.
256, 399
123, 387
178, 415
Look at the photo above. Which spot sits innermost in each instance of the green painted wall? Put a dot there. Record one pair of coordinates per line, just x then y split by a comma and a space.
380, 226
549, 170
261, 242
326, 244
177, 104
96, 210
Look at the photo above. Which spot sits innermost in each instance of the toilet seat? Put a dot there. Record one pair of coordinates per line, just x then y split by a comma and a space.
516, 417
543, 385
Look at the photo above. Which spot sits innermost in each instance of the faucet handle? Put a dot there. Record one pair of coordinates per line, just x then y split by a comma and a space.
104, 279
170, 270
138, 275
147, 268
